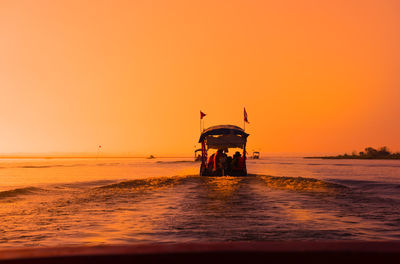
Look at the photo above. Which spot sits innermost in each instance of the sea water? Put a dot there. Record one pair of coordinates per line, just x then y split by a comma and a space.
59, 202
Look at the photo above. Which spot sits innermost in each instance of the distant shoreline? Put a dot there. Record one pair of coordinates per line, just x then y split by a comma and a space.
368, 154
350, 157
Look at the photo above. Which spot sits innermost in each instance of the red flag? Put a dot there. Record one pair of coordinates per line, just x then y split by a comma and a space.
202, 115
245, 116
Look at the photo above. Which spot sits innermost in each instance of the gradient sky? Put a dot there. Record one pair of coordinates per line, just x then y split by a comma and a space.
314, 76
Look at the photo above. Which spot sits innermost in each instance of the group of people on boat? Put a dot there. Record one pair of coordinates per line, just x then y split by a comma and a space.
220, 163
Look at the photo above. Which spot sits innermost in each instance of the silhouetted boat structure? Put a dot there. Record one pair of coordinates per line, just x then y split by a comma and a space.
197, 155
222, 137
256, 155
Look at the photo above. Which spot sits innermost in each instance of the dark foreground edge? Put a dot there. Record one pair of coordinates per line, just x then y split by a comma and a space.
206, 253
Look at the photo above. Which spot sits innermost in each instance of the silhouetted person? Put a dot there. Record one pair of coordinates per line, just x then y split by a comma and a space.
228, 165
211, 161
237, 164
219, 163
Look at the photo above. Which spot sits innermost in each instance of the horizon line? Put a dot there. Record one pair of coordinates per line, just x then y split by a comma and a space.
84, 157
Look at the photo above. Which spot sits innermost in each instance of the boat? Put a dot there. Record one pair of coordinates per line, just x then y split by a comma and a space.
222, 138
256, 155
197, 155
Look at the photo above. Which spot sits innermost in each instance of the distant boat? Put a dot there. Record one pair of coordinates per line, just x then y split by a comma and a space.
197, 155
151, 157
256, 155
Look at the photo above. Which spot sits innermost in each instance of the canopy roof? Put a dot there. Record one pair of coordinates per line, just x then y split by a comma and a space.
223, 130
224, 136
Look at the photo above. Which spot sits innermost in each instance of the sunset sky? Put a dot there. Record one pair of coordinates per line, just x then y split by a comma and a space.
132, 76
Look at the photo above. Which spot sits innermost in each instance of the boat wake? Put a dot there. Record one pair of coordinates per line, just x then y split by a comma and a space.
148, 183
18, 192
300, 184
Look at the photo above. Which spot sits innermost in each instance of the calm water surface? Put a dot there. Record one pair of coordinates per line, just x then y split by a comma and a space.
105, 201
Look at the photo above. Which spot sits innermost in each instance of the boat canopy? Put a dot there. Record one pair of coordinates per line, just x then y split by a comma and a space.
197, 150
224, 136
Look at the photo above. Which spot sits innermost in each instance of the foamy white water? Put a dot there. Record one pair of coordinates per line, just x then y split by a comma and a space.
112, 201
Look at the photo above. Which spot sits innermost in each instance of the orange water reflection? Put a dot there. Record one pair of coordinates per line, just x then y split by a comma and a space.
222, 187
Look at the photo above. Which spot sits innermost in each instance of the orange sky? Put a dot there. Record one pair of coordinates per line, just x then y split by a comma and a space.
315, 76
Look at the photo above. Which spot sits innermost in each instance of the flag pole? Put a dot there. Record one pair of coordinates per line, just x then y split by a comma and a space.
202, 115
244, 121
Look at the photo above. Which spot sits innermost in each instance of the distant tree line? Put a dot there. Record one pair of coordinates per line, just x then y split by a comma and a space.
368, 153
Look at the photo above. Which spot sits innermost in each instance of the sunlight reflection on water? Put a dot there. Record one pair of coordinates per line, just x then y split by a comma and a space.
73, 202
